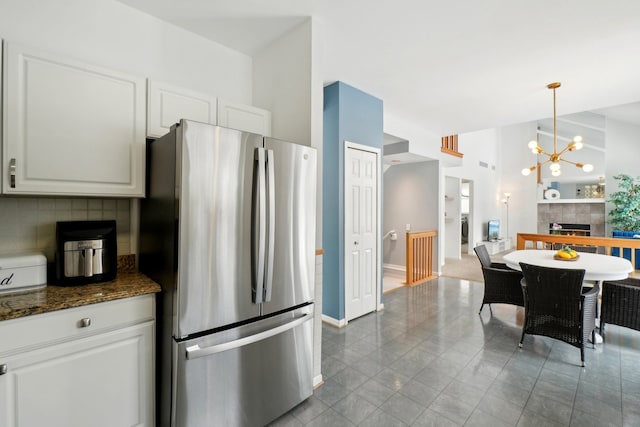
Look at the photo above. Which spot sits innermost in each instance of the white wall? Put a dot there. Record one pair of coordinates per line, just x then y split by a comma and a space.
282, 84
452, 206
480, 147
427, 144
421, 141
409, 191
513, 156
110, 34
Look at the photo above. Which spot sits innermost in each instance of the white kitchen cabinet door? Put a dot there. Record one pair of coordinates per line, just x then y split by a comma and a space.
101, 380
244, 117
167, 104
70, 128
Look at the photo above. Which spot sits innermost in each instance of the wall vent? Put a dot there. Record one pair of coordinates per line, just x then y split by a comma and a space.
483, 164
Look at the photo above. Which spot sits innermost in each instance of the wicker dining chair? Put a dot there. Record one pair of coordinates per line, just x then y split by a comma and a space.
555, 305
501, 283
620, 304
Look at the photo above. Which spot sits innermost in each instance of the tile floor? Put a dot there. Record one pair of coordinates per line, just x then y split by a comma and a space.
428, 359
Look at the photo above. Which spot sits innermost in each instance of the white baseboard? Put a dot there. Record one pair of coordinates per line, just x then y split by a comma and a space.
395, 270
334, 322
380, 307
317, 381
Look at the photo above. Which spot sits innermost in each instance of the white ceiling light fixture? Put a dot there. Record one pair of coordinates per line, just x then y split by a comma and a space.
556, 157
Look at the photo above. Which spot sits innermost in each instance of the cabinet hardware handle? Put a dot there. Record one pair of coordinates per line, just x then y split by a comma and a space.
12, 173
85, 322
3, 369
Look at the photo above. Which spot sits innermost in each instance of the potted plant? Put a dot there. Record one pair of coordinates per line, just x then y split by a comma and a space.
625, 216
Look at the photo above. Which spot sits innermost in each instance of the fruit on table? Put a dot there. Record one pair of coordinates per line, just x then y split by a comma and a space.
567, 253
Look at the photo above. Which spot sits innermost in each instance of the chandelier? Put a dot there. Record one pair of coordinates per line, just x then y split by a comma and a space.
556, 157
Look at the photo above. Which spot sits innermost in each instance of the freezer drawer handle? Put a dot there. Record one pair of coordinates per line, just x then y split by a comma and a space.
195, 351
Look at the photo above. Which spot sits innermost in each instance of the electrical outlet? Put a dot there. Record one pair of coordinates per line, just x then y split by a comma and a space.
408, 227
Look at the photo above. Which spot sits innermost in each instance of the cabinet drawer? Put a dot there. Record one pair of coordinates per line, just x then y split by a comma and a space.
44, 329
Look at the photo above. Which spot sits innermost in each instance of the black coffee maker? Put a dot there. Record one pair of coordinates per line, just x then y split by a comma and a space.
86, 252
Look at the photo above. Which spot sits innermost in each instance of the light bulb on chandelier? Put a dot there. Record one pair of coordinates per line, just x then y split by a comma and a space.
527, 171
533, 145
586, 167
556, 157
576, 143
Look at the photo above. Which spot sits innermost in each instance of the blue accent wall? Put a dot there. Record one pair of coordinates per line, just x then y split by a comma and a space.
354, 116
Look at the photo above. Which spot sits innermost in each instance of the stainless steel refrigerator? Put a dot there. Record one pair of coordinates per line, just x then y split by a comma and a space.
228, 230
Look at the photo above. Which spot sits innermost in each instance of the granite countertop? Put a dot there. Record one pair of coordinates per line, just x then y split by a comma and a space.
128, 283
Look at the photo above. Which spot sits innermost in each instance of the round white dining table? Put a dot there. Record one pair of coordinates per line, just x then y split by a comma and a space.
597, 267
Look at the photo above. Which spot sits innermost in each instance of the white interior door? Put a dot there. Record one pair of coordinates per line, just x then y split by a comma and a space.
361, 231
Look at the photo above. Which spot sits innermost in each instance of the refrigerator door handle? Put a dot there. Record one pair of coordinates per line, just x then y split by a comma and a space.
195, 351
271, 200
258, 227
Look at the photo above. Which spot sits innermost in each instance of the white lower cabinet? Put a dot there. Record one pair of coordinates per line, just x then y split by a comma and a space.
497, 246
82, 378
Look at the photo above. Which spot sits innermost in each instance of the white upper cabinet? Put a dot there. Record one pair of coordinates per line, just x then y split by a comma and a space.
244, 117
70, 128
167, 104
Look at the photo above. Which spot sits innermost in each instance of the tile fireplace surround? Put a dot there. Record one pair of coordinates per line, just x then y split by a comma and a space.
575, 213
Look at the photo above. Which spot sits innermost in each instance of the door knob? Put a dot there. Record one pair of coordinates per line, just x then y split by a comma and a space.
355, 243
3, 369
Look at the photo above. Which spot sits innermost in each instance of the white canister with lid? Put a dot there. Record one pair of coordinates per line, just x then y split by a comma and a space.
22, 272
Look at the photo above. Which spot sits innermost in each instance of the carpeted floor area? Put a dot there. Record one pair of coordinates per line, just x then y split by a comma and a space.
468, 267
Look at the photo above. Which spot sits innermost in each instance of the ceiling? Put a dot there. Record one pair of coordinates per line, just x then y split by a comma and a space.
451, 67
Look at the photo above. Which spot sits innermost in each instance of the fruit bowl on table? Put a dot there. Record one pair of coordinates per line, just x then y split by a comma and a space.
566, 253
559, 258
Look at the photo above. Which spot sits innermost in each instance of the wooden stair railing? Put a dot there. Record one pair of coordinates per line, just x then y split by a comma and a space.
450, 145
419, 256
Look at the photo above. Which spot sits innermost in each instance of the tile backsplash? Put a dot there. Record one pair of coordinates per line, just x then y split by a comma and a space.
30, 223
